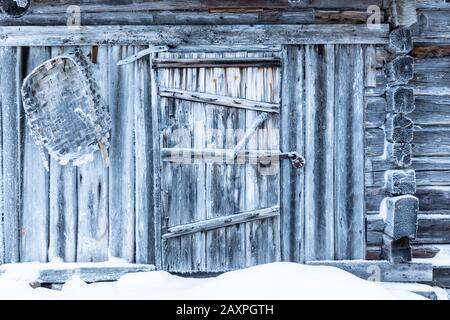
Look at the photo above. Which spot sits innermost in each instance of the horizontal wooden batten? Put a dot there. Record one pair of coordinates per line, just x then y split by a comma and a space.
220, 100
193, 35
217, 63
220, 156
221, 222
383, 270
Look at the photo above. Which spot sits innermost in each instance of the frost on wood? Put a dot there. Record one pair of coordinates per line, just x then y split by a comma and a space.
400, 70
15, 8
400, 99
399, 128
400, 41
400, 154
400, 182
403, 12
63, 109
400, 216
397, 251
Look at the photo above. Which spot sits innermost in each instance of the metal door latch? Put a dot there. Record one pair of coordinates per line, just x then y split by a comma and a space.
297, 160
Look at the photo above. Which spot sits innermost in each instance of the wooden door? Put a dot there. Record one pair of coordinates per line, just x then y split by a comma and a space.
218, 118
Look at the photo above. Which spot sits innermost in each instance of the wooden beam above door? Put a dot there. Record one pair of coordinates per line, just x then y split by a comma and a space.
173, 35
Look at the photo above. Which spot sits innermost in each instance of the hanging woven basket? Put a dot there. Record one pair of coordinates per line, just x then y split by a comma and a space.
65, 113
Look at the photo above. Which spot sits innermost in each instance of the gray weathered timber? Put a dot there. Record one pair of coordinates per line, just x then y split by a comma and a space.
251, 131
142, 54
396, 251
292, 208
400, 70
319, 150
432, 76
400, 99
432, 198
418, 251
145, 251
121, 170
400, 41
63, 206
92, 186
398, 128
370, 65
156, 165
383, 270
441, 276
424, 144
400, 154
99, 6
220, 100
403, 13
400, 182
96, 273
375, 108
220, 222
63, 212
432, 26
198, 35
11, 173
400, 216
432, 229
227, 156
218, 63
349, 153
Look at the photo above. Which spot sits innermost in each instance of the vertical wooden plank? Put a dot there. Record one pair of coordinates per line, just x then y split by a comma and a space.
251, 173
35, 188
187, 172
215, 189
156, 168
235, 126
349, 153
292, 137
370, 66
272, 93
319, 134
2, 237
92, 233
63, 205
121, 170
10, 79
197, 241
145, 252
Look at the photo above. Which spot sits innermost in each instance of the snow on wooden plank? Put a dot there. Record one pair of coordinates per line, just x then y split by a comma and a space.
383, 270
198, 35
89, 273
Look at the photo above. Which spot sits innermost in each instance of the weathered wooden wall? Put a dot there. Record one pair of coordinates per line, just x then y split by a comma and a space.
87, 213
137, 12
431, 151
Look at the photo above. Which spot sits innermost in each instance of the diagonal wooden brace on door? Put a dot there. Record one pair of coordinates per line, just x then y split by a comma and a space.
216, 223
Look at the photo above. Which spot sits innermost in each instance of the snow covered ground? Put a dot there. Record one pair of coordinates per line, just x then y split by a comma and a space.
271, 281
